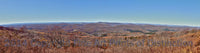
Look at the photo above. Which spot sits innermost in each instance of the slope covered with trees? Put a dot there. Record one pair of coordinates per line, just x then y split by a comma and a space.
133, 38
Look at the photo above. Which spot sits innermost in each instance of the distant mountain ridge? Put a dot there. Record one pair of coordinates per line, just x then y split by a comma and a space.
101, 27
18, 24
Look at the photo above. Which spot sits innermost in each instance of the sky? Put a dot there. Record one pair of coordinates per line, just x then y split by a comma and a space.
170, 12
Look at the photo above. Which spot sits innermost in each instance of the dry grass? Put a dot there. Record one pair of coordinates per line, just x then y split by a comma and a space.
72, 47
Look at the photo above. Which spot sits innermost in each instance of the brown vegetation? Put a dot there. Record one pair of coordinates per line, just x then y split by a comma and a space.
45, 34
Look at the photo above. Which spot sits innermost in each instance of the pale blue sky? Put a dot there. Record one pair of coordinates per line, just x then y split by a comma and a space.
179, 12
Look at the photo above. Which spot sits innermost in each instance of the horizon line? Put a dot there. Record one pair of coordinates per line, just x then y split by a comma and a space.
98, 22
